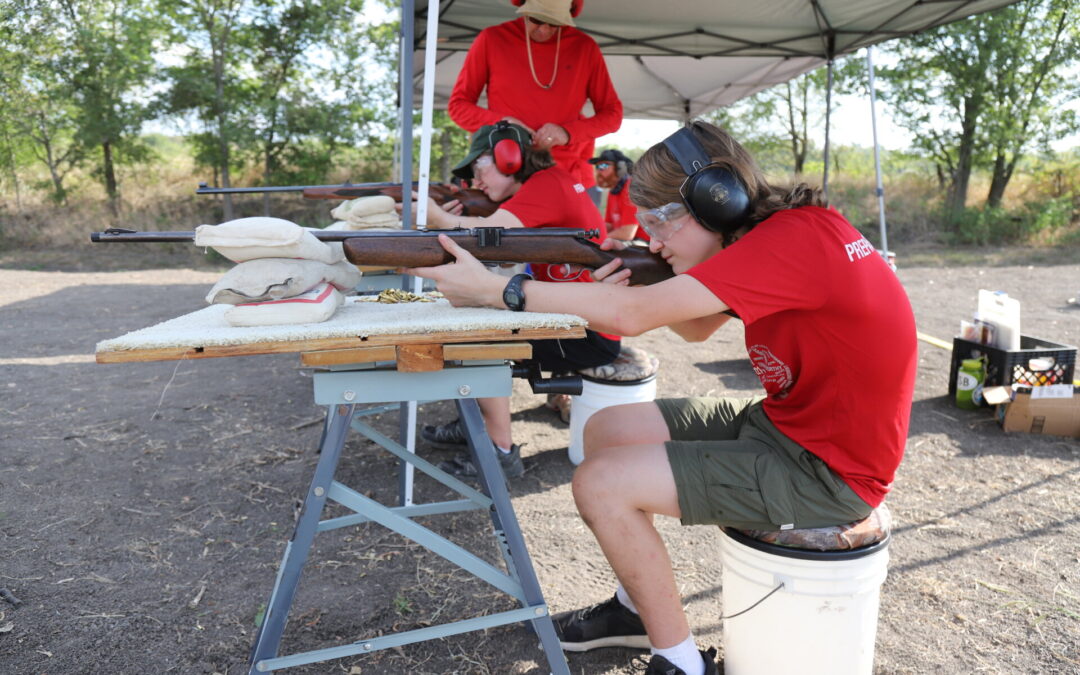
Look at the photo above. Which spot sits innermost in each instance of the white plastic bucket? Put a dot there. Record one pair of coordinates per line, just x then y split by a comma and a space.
822, 621
601, 394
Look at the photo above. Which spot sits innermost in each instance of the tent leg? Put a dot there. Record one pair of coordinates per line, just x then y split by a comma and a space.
877, 155
828, 114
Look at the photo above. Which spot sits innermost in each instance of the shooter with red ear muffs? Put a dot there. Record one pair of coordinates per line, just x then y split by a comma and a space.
819, 448
538, 71
532, 192
613, 174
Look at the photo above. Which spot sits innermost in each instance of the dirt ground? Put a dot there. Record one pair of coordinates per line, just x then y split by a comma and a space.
144, 507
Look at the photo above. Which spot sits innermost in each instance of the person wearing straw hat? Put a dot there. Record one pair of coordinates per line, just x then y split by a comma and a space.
829, 332
532, 192
538, 71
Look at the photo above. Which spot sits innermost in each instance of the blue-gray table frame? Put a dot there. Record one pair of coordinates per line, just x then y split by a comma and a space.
341, 390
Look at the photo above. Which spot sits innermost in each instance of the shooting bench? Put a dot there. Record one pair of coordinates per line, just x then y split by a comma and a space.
371, 353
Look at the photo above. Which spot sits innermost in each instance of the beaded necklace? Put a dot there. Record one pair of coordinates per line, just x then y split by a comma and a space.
532, 68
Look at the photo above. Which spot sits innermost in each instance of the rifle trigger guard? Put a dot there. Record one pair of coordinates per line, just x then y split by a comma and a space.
488, 236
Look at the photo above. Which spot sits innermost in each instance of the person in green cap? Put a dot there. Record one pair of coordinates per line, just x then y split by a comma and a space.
532, 192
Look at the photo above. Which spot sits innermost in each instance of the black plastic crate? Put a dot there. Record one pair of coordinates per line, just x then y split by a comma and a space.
1006, 367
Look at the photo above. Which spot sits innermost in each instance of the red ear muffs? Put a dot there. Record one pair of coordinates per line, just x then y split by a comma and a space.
507, 155
575, 6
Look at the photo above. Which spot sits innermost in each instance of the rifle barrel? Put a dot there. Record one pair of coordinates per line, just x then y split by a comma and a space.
121, 235
204, 189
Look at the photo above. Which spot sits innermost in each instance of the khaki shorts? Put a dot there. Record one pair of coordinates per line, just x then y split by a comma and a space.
732, 467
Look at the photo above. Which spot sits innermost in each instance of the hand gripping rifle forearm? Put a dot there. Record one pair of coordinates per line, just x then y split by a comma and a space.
421, 248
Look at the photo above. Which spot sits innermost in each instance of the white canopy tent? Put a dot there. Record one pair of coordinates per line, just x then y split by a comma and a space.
679, 59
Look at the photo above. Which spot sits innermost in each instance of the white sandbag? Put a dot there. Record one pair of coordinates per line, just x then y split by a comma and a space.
314, 306
378, 220
363, 206
246, 239
267, 279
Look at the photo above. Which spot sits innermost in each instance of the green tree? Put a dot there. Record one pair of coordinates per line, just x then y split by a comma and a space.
1030, 81
207, 81
37, 103
973, 91
297, 128
107, 63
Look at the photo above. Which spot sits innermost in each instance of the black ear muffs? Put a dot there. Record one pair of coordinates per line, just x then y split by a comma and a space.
713, 194
506, 151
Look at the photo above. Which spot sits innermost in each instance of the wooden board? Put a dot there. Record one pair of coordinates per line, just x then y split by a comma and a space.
323, 344
474, 351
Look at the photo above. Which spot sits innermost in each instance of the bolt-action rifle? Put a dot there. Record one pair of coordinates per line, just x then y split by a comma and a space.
474, 202
421, 248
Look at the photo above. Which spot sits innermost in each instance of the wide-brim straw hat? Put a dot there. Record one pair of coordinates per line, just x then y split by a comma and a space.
549, 11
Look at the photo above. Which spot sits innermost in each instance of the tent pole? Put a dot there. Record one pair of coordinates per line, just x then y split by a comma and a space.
426, 112
877, 156
407, 414
828, 113
405, 95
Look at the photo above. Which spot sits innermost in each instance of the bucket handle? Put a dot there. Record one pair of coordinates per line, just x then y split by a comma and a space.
763, 599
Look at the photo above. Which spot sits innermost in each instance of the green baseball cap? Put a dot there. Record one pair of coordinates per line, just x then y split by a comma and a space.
485, 139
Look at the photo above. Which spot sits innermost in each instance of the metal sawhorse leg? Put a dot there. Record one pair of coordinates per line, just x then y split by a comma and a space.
341, 391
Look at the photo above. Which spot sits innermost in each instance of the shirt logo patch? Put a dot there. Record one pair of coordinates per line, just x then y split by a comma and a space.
775, 375
858, 249
579, 188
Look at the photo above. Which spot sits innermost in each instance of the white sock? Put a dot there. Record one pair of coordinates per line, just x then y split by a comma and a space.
684, 656
624, 599
505, 451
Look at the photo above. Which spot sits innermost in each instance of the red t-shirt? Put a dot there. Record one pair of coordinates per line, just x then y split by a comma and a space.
552, 198
620, 210
831, 335
498, 61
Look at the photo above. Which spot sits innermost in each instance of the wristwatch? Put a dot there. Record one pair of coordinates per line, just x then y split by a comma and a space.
514, 294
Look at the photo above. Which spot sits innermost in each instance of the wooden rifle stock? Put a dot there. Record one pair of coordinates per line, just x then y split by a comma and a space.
421, 248
557, 246
474, 202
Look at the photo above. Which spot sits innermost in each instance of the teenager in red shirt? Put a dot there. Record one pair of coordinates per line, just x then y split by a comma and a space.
538, 194
613, 174
539, 71
830, 334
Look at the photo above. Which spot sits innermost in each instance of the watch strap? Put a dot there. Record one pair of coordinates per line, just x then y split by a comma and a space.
514, 294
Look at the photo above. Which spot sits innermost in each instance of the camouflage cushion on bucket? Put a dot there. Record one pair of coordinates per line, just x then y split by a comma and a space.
631, 364
865, 532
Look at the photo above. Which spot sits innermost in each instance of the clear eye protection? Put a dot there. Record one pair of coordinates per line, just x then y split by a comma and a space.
664, 221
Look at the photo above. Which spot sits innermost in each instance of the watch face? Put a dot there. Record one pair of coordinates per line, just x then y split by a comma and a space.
513, 295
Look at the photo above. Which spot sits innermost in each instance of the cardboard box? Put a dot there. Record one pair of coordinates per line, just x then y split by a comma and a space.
1054, 411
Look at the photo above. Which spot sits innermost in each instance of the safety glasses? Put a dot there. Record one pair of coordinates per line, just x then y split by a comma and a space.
538, 22
482, 162
664, 221
603, 165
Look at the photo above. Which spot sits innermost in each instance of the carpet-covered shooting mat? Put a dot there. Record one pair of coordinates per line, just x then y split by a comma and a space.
370, 352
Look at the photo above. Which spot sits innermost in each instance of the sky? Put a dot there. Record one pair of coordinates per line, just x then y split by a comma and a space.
851, 114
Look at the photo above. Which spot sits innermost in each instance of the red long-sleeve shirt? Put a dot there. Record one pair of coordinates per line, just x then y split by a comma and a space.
499, 62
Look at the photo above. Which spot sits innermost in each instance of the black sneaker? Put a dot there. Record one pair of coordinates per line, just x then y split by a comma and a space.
608, 624
451, 433
462, 465
658, 665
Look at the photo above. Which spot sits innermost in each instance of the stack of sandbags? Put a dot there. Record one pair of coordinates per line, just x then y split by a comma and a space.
366, 213
284, 274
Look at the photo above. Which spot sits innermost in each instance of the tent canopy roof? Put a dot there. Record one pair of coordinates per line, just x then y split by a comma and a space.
683, 58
